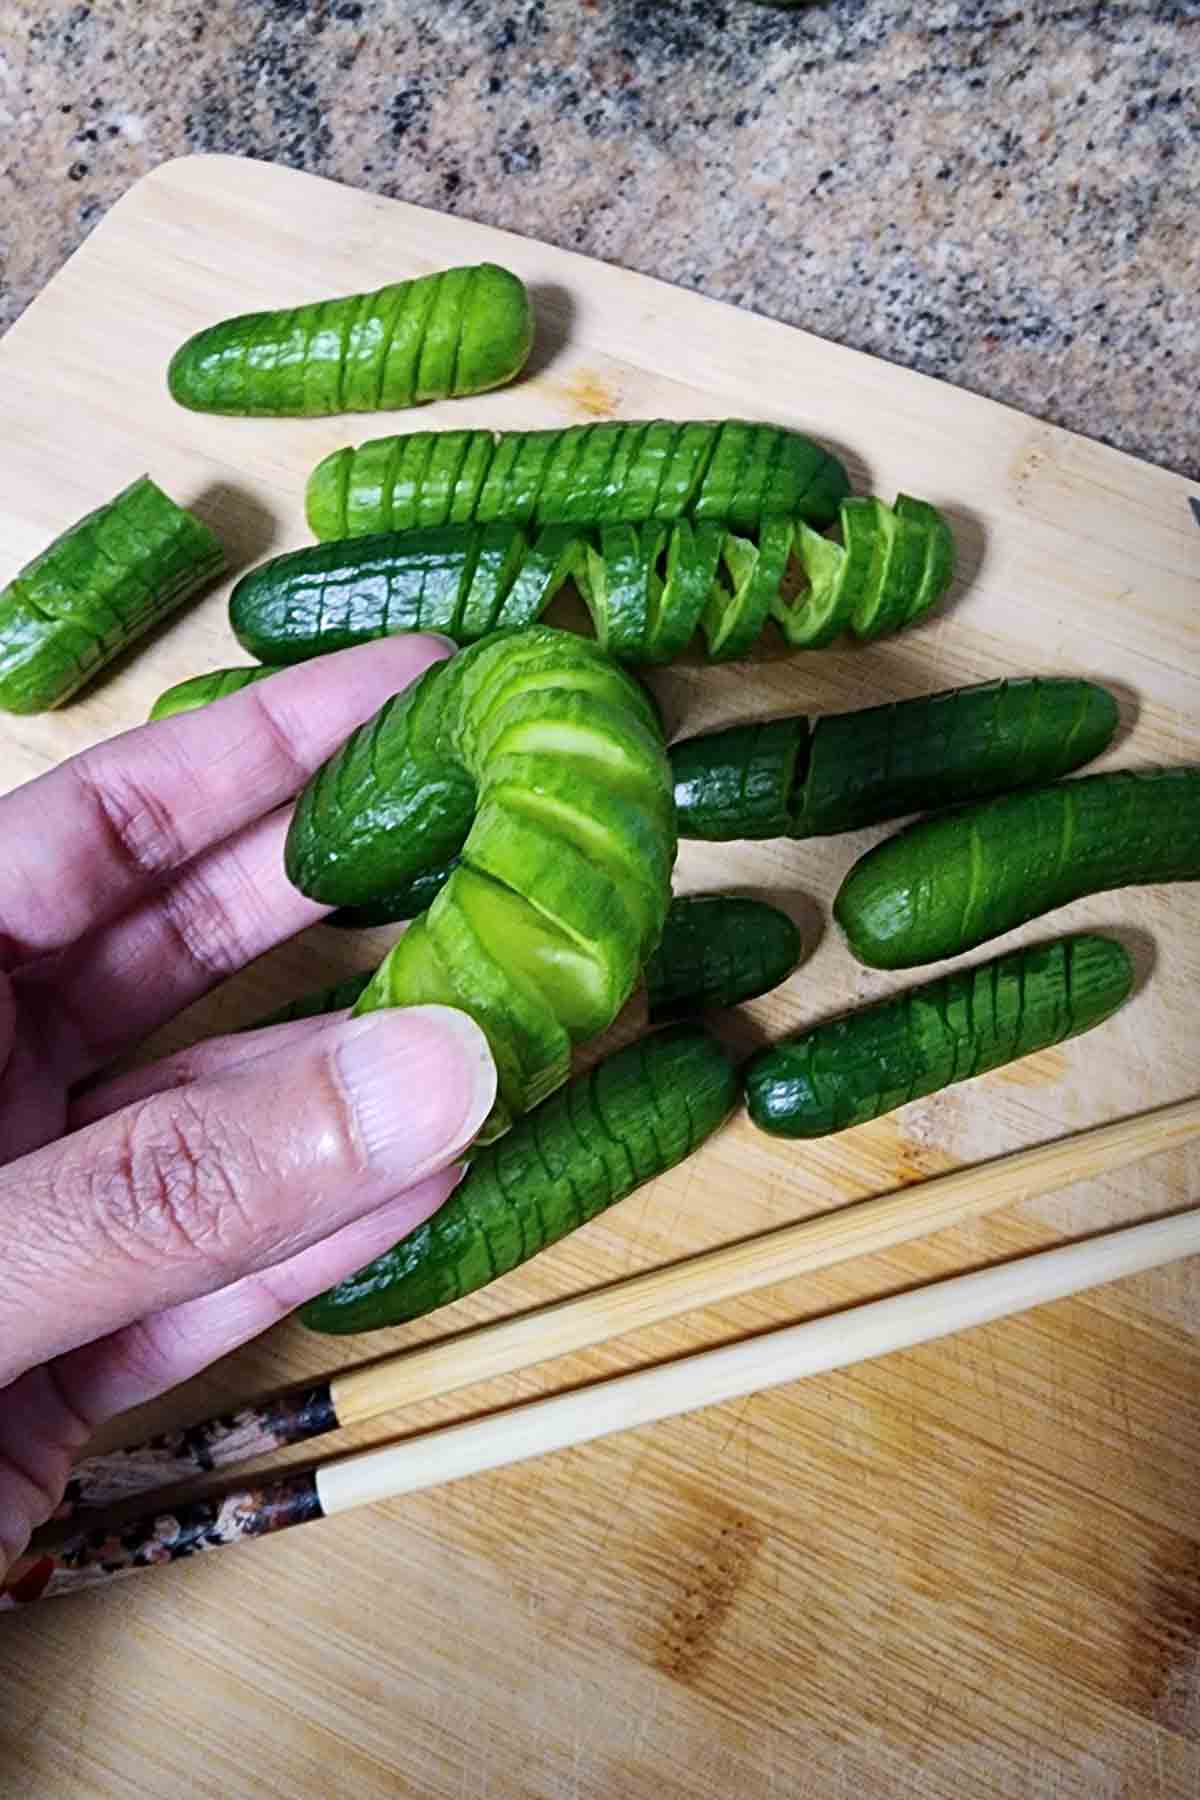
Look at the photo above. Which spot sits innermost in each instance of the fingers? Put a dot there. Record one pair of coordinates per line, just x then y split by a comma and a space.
185, 1192
117, 984
212, 1056
50, 1413
143, 1360
8, 1021
40, 1436
83, 842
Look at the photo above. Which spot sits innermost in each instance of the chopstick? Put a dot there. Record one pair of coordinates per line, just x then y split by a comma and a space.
620, 1403
573, 1324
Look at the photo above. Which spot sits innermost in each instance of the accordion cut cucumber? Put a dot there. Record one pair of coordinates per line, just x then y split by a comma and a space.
457, 332
202, 690
95, 590
947, 884
648, 586
564, 879
867, 1063
730, 470
808, 778
632, 1117
715, 950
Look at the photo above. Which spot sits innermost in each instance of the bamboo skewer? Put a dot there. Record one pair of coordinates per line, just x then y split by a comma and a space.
573, 1324
617, 1404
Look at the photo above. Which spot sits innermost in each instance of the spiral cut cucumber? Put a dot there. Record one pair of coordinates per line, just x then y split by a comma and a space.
95, 590
458, 332
947, 884
648, 586
564, 878
632, 1117
866, 1063
715, 950
729, 470
805, 778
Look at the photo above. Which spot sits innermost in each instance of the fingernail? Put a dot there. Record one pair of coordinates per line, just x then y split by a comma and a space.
439, 637
420, 1081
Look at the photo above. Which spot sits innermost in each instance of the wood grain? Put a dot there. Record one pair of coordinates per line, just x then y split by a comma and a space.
971, 1569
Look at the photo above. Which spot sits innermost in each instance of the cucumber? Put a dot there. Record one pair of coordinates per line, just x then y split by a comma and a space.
718, 950
739, 607
947, 884
398, 903
202, 690
554, 757
799, 778
647, 585
715, 950
632, 1117
96, 589
311, 1006
457, 332
578, 475
866, 1063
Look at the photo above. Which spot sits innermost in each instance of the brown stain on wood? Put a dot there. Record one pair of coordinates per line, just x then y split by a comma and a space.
590, 394
1027, 465
1164, 1654
708, 1582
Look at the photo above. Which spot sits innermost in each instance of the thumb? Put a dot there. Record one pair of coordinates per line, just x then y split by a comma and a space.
190, 1189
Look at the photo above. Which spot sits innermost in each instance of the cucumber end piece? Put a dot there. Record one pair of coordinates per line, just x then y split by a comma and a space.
181, 371
779, 1096
877, 925
497, 334
325, 495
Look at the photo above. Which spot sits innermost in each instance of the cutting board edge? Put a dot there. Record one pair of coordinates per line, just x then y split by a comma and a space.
163, 173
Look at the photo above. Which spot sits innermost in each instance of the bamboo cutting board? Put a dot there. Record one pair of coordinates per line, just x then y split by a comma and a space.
973, 1569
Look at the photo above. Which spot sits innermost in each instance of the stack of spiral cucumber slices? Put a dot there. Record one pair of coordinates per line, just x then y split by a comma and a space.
519, 804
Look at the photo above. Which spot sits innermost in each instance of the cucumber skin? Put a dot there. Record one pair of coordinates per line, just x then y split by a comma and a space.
945, 885
869, 1062
312, 1006
400, 903
331, 596
738, 782
581, 474
102, 584
799, 778
410, 809
460, 331
204, 690
630, 1118
718, 950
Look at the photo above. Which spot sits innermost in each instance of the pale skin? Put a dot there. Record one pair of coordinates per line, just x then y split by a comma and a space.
156, 1219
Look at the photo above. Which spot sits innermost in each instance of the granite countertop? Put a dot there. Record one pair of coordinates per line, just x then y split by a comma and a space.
999, 194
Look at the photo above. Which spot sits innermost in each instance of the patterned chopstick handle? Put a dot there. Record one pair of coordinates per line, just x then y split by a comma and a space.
291, 1418
106, 1553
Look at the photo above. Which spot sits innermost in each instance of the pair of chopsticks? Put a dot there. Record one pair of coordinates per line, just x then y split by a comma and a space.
621, 1402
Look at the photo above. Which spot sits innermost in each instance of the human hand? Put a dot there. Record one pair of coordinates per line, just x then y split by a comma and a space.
155, 1221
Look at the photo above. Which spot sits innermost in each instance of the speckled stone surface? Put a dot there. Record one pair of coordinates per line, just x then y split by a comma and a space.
1000, 194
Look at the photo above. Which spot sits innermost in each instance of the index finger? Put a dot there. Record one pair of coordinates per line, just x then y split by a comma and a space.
84, 841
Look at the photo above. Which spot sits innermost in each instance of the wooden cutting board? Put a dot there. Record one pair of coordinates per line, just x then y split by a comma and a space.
974, 1569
